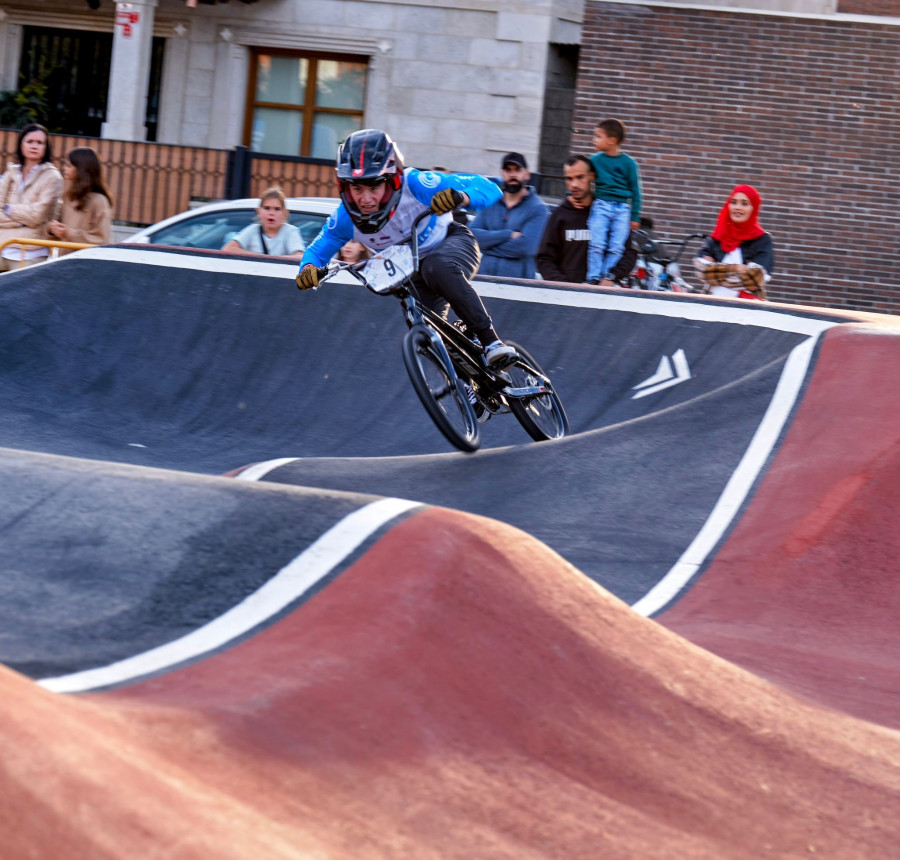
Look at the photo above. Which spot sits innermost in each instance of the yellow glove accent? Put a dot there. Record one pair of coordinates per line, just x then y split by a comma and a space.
308, 277
446, 200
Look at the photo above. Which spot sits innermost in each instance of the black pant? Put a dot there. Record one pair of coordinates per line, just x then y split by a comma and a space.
444, 282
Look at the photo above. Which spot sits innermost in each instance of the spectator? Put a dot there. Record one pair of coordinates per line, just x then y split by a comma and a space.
29, 195
509, 231
564, 246
86, 214
738, 257
353, 252
272, 234
562, 255
616, 209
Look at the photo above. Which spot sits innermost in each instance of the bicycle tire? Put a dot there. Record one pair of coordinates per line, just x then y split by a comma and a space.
444, 400
542, 417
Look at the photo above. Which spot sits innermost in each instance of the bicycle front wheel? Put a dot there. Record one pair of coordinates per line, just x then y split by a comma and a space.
542, 415
444, 399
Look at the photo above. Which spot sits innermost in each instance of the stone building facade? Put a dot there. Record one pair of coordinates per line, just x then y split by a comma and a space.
458, 83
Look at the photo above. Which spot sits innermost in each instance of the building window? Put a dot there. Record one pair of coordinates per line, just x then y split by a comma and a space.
74, 66
303, 104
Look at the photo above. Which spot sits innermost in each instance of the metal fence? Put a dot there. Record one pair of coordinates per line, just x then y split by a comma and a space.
151, 181
248, 174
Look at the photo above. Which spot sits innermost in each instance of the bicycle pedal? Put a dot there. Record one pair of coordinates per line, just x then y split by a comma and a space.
503, 363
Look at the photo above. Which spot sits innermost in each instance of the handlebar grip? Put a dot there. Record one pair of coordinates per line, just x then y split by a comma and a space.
309, 276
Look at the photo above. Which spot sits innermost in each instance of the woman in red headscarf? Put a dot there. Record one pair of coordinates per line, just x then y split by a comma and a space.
738, 257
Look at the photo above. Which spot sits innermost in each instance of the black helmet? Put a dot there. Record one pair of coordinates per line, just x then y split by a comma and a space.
370, 157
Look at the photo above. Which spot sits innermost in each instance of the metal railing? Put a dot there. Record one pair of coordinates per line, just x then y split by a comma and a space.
53, 244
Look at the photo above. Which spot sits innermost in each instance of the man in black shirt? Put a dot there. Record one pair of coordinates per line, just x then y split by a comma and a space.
562, 255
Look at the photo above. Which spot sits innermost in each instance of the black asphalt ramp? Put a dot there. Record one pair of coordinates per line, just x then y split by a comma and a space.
201, 363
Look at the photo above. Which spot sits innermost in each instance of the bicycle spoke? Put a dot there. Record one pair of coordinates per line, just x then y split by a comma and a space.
442, 397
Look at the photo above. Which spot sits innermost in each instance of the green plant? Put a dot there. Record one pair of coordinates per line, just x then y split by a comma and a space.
20, 107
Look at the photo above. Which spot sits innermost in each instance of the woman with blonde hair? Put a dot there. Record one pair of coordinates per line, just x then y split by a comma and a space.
29, 197
271, 234
86, 214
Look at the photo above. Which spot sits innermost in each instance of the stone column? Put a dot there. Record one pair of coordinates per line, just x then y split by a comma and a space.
129, 75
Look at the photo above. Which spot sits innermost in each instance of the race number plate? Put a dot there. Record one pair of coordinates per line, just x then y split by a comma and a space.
389, 267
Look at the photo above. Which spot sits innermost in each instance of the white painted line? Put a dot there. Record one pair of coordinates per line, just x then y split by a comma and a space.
259, 470
679, 359
663, 374
738, 486
281, 270
290, 583
665, 377
195, 262
754, 314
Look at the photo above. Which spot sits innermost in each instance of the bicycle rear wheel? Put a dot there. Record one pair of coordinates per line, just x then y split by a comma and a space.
542, 415
445, 401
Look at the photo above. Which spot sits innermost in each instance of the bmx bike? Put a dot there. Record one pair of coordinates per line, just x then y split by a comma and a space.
457, 387
657, 267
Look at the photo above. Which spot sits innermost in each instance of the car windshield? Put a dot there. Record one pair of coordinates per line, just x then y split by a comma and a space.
213, 230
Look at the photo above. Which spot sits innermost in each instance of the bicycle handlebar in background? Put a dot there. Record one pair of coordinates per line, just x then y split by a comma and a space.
680, 243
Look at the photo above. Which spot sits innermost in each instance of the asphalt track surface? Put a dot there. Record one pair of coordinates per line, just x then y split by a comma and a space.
342, 616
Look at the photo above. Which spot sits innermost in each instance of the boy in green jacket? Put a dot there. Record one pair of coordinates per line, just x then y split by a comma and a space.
616, 209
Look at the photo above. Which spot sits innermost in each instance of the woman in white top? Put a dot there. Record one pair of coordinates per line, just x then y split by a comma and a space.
30, 193
271, 235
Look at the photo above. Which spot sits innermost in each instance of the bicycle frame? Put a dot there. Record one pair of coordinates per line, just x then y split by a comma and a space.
440, 331
460, 352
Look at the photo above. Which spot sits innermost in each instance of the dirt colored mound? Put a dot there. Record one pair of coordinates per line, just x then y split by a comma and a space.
805, 591
460, 691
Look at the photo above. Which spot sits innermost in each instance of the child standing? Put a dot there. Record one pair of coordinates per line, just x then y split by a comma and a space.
616, 209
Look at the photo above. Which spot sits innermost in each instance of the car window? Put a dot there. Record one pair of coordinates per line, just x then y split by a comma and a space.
308, 224
210, 230
214, 230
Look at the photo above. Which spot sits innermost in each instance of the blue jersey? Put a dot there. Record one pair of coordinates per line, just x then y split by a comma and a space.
419, 186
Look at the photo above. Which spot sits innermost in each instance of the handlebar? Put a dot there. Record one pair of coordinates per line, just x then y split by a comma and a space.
355, 269
680, 243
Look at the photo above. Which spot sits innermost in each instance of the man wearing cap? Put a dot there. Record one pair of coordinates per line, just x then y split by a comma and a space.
509, 232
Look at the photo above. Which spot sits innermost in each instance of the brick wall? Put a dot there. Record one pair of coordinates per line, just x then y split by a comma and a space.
804, 110
890, 8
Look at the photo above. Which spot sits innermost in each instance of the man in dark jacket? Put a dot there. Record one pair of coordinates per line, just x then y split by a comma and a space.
510, 231
562, 255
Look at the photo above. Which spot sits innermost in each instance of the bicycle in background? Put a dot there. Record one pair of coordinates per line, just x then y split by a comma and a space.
658, 267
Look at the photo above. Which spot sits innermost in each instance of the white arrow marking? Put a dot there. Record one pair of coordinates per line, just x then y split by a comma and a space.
664, 376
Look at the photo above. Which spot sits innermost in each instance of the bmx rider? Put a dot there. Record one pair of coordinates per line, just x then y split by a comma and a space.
380, 200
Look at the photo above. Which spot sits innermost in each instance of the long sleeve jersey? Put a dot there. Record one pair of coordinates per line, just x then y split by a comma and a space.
419, 187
